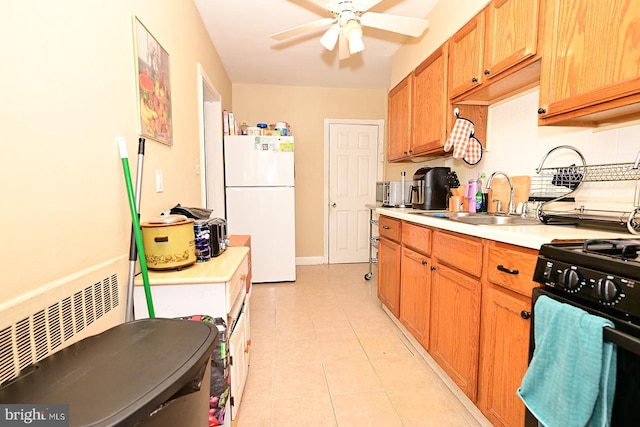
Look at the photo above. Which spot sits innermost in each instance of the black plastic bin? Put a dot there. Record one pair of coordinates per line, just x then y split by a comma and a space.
121, 376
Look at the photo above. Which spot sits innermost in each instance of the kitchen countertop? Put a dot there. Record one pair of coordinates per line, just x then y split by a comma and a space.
529, 236
216, 270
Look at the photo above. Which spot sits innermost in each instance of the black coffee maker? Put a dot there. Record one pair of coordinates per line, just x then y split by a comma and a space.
430, 188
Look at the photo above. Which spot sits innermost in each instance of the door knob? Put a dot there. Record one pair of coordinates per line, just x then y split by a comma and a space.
333, 205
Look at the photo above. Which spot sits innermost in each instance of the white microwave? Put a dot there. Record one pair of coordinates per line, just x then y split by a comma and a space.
391, 194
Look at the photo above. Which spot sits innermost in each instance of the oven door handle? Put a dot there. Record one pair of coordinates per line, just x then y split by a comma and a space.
626, 341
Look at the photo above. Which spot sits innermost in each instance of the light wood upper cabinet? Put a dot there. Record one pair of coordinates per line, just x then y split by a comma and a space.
400, 120
430, 102
465, 57
590, 73
496, 55
511, 36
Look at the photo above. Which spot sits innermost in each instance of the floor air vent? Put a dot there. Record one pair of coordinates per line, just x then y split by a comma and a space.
50, 328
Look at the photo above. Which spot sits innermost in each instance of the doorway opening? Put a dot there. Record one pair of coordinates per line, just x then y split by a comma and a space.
211, 162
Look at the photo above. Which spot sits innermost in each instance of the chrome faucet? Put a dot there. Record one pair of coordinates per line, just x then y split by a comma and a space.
511, 210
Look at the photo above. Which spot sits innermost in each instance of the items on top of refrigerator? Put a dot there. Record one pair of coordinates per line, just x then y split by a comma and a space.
229, 124
233, 127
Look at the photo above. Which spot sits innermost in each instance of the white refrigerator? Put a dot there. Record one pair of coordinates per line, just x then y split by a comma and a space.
260, 201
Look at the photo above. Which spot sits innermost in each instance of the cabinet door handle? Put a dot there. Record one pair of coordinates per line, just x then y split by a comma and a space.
433, 268
525, 314
487, 72
386, 227
541, 110
506, 270
424, 262
474, 80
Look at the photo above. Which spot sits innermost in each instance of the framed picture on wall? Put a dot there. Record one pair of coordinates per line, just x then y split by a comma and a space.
153, 83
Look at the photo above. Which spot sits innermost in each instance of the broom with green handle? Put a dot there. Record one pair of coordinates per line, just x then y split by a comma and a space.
133, 250
136, 225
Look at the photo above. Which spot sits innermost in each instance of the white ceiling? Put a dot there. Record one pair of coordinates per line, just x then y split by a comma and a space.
240, 31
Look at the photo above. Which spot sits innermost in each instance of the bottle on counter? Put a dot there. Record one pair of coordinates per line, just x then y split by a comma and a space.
480, 199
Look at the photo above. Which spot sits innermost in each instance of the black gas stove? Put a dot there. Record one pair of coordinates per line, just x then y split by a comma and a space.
604, 274
601, 277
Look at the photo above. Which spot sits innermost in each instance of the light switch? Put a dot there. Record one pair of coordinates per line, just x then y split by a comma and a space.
159, 181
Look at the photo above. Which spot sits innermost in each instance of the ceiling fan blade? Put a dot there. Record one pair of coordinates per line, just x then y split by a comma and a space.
294, 31
413, 27
364, 5
325, 4
343, 47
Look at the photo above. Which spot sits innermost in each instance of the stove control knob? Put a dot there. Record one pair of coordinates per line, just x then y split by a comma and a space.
606, 290
570, 279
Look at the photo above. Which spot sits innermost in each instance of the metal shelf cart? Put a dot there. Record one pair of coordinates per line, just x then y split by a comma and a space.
373, 240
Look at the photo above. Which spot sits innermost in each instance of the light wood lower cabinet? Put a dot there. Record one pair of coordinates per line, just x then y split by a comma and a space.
389, 274
504, 336
455, 326
415, 293
468, 302
390, 233
504, 355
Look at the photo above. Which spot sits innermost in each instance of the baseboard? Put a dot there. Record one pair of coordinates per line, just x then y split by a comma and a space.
313, 260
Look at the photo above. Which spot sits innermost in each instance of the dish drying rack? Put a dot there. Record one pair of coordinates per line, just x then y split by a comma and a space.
554, 184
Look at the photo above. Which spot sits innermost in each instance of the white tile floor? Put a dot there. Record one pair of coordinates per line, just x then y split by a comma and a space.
324, 353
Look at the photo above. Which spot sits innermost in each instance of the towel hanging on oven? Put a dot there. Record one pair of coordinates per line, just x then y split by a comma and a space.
571, 379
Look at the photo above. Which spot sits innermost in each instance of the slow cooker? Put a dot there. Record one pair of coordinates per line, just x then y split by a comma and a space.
169, 242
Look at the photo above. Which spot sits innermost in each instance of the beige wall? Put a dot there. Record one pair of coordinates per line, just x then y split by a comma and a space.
305, 109
67, 83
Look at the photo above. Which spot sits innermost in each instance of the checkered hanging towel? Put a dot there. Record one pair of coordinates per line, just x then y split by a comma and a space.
459, 137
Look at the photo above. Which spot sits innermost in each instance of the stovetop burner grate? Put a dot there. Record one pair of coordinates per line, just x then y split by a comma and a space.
626, 249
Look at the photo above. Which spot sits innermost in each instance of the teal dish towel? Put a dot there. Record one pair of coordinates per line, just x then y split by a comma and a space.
571, 379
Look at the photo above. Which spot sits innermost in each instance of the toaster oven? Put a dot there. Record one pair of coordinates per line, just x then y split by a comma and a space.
393, 194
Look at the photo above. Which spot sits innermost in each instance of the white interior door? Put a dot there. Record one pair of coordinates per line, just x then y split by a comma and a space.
352, 184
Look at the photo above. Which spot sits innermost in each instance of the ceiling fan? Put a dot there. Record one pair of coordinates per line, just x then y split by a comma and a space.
349, 16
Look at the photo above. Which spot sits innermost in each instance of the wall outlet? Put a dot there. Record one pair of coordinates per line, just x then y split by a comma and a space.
159, 181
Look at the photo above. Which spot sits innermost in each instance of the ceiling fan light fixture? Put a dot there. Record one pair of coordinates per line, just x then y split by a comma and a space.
330, 38
353, 31
356, 44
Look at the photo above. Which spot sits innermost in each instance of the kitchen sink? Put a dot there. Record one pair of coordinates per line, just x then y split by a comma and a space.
495, 220
441, 213
479, 218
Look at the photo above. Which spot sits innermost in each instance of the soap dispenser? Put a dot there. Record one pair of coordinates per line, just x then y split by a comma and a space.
470, 195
